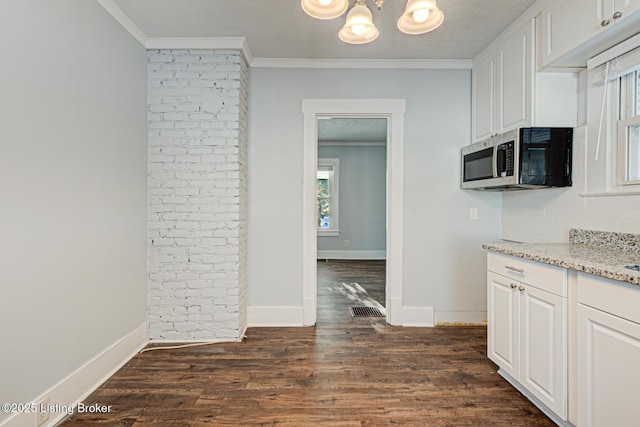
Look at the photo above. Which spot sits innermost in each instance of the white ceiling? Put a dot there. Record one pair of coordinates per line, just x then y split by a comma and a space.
281, 29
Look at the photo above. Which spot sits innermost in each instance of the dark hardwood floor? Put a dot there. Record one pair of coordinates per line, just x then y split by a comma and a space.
343, 372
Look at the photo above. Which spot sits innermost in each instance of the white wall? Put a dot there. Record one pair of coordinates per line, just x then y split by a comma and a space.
362, 204
444, 264
72, 188
546, 215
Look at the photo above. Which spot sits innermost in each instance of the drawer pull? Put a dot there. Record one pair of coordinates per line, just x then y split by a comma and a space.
521, 288
617, 15
517, 270
513, 286
605, 22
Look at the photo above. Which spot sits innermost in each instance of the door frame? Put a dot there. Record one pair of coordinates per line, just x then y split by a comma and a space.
393, 110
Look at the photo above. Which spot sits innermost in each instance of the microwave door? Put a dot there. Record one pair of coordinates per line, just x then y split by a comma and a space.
478, 165
479, 168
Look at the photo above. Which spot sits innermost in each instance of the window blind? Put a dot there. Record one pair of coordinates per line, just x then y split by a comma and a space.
618, 66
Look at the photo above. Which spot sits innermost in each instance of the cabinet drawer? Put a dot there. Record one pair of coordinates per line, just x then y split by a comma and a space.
549, 278
611, 296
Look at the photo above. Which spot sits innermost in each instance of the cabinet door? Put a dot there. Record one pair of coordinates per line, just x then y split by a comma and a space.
543, 347
566, 24
483, 92
503, 323
515, 70
625, 7
608, 369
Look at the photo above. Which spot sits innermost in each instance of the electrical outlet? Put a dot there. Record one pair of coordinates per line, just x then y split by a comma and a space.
346, 243
42, 412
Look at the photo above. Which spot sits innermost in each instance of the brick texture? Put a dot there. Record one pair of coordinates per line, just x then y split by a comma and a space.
197, 194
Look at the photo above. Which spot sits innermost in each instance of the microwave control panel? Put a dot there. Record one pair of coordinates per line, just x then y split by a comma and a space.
505, 160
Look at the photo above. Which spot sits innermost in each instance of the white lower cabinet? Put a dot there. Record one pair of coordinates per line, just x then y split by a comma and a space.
527, 327
608, 353
503, 333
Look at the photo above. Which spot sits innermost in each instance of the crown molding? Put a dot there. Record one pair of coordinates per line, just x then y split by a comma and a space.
463, 64
114, 10
230, 43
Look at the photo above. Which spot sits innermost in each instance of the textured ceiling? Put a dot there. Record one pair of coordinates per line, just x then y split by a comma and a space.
281, 29
352, 130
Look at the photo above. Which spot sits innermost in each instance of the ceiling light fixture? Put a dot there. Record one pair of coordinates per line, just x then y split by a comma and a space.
325, 9
419, 17
359, 28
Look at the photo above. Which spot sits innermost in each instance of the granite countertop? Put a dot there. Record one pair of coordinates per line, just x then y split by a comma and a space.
602, 254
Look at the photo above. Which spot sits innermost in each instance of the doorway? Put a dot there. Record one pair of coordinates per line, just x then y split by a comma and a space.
351, 218
393, 111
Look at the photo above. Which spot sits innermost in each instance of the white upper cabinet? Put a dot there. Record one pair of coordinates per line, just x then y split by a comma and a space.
502, 85
483, 97
624, 8
573, 30
515, 69
567, 24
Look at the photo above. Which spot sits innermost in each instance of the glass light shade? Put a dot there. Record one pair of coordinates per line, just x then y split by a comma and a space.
359, 28
323, 9
409, 23
420, 15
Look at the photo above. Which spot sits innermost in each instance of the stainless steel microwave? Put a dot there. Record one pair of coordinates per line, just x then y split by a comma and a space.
520, 159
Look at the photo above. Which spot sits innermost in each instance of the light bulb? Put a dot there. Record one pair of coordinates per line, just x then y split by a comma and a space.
420, 15
324, 2
357, 29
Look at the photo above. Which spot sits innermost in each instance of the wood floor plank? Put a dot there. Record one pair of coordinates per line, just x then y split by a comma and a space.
342, 372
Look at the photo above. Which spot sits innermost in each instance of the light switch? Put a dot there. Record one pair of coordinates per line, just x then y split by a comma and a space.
473, 214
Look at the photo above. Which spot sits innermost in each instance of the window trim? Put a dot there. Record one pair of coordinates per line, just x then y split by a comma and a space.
623, 155
334, 164
610, 70
626, 117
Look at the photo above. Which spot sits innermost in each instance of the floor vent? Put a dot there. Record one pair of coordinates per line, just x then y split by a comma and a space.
363, 311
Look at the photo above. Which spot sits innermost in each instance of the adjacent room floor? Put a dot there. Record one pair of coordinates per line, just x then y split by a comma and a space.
343, 372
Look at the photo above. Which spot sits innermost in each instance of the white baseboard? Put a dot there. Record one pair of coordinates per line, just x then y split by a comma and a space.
465, 317
188, 342
265, 316
394, 311
342, 254
309, 308
417, 316
81, 383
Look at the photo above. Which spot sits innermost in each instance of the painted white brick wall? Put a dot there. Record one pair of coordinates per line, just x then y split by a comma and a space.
547, 215
197, 194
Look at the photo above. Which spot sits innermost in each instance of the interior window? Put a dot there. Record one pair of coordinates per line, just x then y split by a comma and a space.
327, 191
629, 130
324, 199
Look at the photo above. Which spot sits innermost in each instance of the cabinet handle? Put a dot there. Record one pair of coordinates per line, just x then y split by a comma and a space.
605, 22
617, 15
517, 270
513, 286
521, 288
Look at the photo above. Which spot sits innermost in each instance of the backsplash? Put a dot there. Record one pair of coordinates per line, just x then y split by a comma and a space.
618, 241
548, 215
